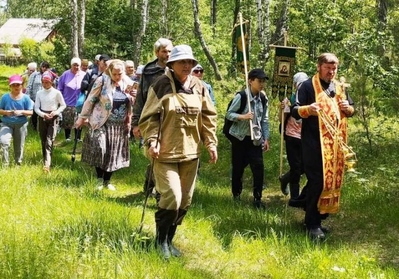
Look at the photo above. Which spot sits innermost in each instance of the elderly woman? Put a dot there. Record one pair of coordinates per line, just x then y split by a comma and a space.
108, 112
69, 85
177, 116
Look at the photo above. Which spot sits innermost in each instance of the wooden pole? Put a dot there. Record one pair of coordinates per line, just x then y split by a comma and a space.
246, 73
282, 120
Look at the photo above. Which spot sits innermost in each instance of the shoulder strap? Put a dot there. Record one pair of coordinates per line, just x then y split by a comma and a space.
243, 101
263, 99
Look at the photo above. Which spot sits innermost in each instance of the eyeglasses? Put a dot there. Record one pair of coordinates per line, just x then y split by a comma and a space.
198, 71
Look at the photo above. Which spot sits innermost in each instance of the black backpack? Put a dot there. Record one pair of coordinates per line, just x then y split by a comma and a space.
227, 123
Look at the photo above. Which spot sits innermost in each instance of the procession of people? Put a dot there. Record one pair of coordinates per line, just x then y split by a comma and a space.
172, 112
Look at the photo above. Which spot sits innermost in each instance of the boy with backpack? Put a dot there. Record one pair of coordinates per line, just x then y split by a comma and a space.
246, 149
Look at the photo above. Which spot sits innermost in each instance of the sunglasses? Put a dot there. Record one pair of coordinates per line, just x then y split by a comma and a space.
198, 71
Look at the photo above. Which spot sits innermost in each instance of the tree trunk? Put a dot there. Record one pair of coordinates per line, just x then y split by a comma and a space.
164, 20
233, 42
281, 25
263, 30
382, 13
139, 37
198, 34
82, 19
74, 28
213, 16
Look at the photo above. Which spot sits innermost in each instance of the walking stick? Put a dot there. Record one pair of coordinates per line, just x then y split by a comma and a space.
73, 156
246, 73
282, 136
148, 192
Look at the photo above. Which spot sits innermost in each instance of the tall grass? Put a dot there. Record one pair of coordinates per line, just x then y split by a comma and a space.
58, 226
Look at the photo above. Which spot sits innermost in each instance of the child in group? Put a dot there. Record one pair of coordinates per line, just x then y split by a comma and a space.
48, 106
15, 107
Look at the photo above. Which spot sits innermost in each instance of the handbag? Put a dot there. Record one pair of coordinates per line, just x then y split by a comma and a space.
80, 102
257, 133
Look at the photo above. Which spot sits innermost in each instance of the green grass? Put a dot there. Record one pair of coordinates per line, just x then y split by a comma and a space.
58, 226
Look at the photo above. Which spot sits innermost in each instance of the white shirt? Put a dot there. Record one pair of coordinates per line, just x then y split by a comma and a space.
49, 100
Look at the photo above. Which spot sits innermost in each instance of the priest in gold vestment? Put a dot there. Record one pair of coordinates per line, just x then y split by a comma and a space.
324, 105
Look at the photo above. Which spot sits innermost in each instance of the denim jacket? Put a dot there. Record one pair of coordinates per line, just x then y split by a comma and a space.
240, 128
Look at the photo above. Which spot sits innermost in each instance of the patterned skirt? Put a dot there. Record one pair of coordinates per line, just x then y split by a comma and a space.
68, 118
107, 147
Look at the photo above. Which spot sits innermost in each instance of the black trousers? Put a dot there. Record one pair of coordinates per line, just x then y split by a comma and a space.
314, 172
244, 153
293, 147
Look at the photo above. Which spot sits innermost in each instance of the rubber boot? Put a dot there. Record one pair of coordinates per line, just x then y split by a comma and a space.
284, 180
164, 219
172, 231
171, 234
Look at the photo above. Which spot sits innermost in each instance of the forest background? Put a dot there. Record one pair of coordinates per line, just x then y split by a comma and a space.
58, 227
362, 33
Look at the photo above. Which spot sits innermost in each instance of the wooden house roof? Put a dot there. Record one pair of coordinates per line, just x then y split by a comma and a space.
16, 29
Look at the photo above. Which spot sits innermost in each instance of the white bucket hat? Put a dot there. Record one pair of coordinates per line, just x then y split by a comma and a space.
181, 52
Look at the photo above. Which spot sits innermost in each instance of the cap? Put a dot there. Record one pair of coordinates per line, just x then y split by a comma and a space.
97, 58
15, 79
139, 70
299, 78
181, 52
104, 58
257, 73
76, 60
47, 76
198, 66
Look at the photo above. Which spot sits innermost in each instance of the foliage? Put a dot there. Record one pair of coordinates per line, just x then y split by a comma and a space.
366, 47
29, 49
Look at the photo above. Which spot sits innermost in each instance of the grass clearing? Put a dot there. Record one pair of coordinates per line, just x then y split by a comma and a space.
58, 226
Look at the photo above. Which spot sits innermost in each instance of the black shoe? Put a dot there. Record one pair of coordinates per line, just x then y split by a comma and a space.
316, 234
284, 180
259, 204
324, 229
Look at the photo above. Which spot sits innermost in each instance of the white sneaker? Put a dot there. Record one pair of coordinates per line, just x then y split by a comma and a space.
68, 140
111, 187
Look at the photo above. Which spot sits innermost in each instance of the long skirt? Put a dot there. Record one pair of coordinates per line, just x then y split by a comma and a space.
107, 147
